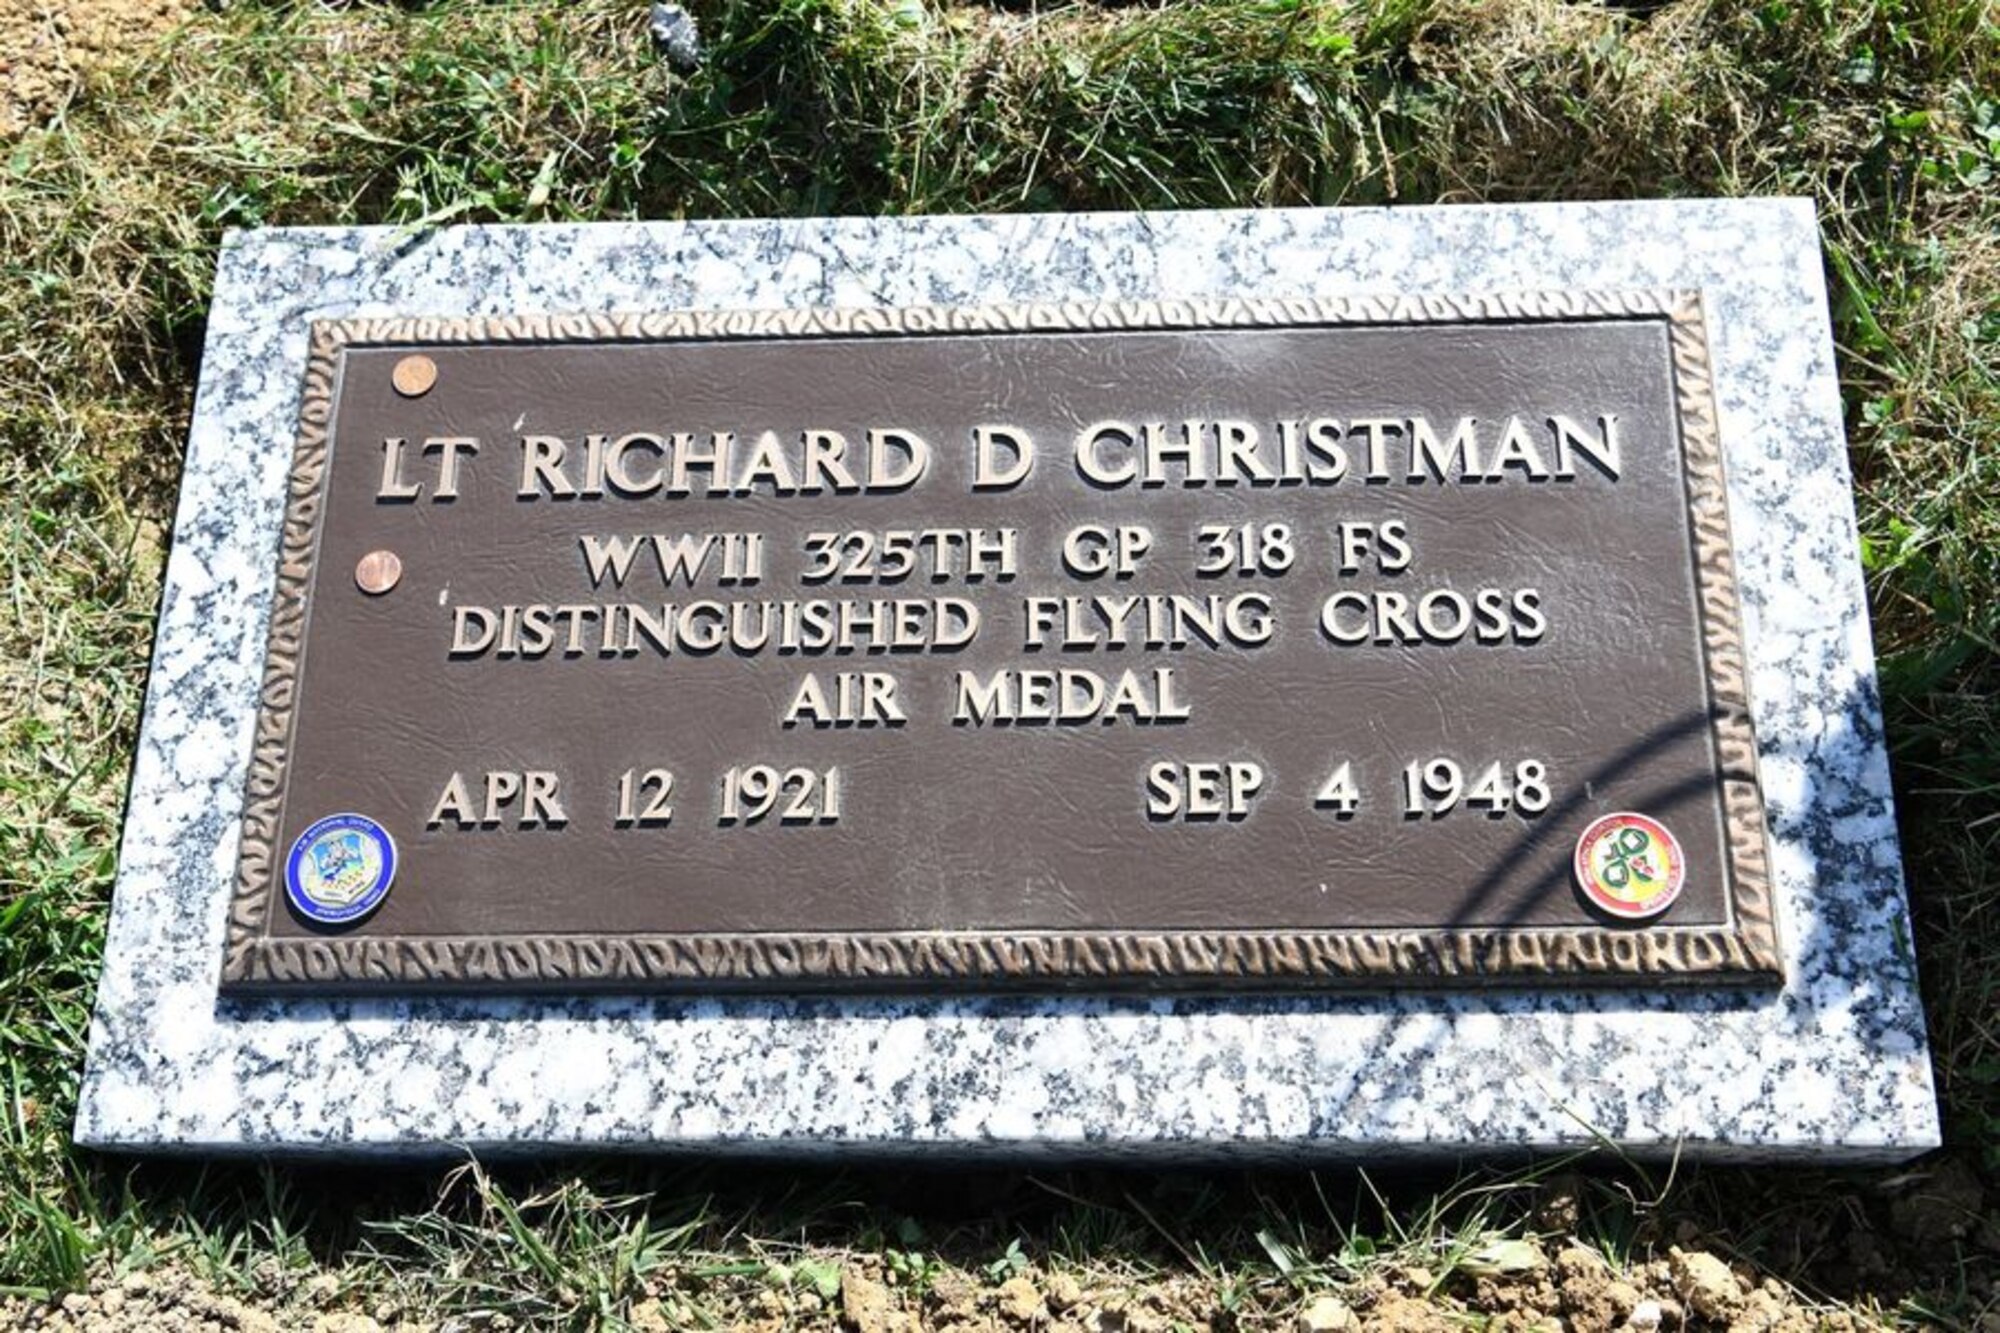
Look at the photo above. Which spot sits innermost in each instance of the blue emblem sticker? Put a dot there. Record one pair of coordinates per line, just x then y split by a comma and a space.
340, 869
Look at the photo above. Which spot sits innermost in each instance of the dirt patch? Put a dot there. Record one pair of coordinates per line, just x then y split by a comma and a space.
1575, 1291
170, 1300
49, 47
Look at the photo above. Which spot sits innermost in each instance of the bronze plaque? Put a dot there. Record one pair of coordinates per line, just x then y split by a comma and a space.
1212, 645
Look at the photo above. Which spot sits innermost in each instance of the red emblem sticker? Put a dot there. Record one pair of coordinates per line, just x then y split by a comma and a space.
1630, 866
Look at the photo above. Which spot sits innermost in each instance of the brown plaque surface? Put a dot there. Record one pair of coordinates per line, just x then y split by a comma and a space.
1203, 645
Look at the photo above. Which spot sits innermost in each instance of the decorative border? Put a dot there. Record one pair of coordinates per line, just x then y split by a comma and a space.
1745, 950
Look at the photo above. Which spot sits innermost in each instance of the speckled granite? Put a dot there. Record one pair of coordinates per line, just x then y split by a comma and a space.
1834, 1067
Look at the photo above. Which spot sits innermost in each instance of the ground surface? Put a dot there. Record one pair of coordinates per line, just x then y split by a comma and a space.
47, 48
126, 151
1103, 1263
1529, 1288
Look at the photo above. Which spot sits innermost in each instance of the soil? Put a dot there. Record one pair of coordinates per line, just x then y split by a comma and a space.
49, 47
1565, 1289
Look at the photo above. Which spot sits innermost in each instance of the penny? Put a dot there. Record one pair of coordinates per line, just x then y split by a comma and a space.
378, 572
414, 376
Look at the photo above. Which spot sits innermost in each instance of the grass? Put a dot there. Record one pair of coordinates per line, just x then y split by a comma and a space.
1887, 112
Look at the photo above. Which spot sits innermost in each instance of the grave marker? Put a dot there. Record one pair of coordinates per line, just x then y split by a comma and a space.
1201, 684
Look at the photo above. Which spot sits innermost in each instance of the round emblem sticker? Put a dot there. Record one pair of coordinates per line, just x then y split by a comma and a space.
340, 868
1630, 866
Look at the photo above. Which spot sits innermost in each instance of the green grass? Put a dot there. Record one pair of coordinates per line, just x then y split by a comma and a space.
1887, 112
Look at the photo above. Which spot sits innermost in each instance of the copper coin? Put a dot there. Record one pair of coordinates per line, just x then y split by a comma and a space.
377, 572
414, 376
